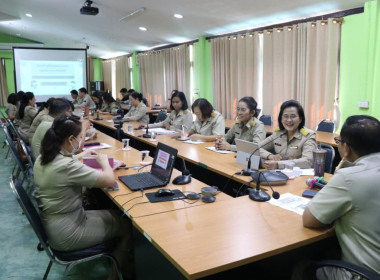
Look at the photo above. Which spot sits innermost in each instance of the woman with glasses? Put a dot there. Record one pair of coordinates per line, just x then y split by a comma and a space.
291, 141
247, 126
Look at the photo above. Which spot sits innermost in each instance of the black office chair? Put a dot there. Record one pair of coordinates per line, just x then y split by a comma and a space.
348, 266
266, 119
161, 116
68, 259
326, 125
330, 155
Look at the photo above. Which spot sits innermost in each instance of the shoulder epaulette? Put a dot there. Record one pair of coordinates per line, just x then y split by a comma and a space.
304, 131
277, 129
252, 122
185, 111
237, 121
213, 114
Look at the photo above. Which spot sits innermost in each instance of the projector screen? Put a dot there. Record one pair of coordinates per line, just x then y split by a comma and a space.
50, 72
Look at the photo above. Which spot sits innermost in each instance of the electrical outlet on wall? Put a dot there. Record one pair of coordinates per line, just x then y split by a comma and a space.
364, 104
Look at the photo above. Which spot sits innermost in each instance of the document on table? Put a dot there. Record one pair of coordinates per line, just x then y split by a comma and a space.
211, 148
161, 131
291, 202
97, 147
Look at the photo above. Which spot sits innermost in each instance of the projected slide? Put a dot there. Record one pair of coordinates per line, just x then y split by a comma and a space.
50, 72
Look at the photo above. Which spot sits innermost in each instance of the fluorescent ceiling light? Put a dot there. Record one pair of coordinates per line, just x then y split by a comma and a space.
29, 15
178, 16
142, 28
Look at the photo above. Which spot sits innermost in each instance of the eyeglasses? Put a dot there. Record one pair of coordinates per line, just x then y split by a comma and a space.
291, 117
338, 140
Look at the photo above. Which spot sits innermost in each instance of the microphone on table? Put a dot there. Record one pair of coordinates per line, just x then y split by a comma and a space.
247, 171
185, 178
316, 182
257, 194
146, 134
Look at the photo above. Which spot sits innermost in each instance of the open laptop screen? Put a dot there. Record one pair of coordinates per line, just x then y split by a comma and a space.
163, 161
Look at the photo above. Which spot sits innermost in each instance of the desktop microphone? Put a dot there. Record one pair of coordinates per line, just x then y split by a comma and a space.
316, 182
185, 178
247, 171
146, 134
257, 194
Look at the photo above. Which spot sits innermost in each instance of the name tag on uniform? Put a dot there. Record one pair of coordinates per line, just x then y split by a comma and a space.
294, 147
277, 144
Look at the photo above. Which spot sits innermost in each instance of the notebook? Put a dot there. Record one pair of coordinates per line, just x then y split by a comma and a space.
244, 150
160, 173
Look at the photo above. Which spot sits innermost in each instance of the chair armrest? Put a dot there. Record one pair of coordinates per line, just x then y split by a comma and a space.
350, 267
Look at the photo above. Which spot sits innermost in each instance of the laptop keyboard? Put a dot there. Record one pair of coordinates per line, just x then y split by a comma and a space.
142, 179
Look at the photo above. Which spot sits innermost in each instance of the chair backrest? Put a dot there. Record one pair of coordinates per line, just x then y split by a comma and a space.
326, 125
13, 149
13, 130
330, 155
161, 116
29, 211
266, 119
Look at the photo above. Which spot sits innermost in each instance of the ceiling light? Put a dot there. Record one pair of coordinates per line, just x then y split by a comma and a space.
142, 28
178, 16
139, 10
29, 15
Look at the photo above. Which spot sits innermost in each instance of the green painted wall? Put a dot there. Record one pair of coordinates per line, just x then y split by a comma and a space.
9, 69
135, 72
203, 70
98, 69
360, 62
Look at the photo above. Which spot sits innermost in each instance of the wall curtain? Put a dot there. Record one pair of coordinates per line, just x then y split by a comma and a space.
107, 74
3, 84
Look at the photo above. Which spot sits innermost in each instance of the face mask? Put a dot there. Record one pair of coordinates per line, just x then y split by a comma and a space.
75, 150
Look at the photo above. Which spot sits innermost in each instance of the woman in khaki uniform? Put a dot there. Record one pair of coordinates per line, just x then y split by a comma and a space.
209, 124
138, 110
42, 113
59, 177
27, 112
247, 126
291, 141
180, 116
110, 106
11, 109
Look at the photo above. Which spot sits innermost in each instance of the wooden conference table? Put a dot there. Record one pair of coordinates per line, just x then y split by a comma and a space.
212, 238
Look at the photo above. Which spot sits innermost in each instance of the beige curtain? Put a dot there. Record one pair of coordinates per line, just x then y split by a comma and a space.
107, 74
3, 84
121, 72
162, 71
236, 70
90, 72
301, 62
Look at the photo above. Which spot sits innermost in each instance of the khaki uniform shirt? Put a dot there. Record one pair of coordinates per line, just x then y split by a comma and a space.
59, 196
111, 107
253, 131
299, 149
138, 113
12, 110
39, 135
214, 125
85, 101
36, 122
26, 121
75, 101
176, 121
351, 200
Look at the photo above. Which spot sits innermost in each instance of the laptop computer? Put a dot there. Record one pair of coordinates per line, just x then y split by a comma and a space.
244, 149
160, 173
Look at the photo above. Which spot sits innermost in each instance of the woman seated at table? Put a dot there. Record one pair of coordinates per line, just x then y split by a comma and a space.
247, 126
209, 124
291, 141
59, 178
98, 100
180, 117
42, 113
110, 105
11, 109
138, 110
27, 113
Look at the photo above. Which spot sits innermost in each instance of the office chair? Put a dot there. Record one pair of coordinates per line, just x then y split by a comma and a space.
161, 116
326, 125
266, 119
348, 266
68, 259
330, 155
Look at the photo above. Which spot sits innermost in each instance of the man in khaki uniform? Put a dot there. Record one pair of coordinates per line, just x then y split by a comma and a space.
253, 131
138, 113
298, 149
84, 99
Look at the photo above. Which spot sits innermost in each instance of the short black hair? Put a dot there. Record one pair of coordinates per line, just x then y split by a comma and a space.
137, 95
12, 99
74, 91
108, 97
362, 134
59, 106
123, 90
83, 90
181, 96
204, 106
251, 104
298, 106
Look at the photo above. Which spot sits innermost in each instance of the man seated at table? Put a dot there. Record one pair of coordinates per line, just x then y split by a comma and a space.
84, 99
351, 199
